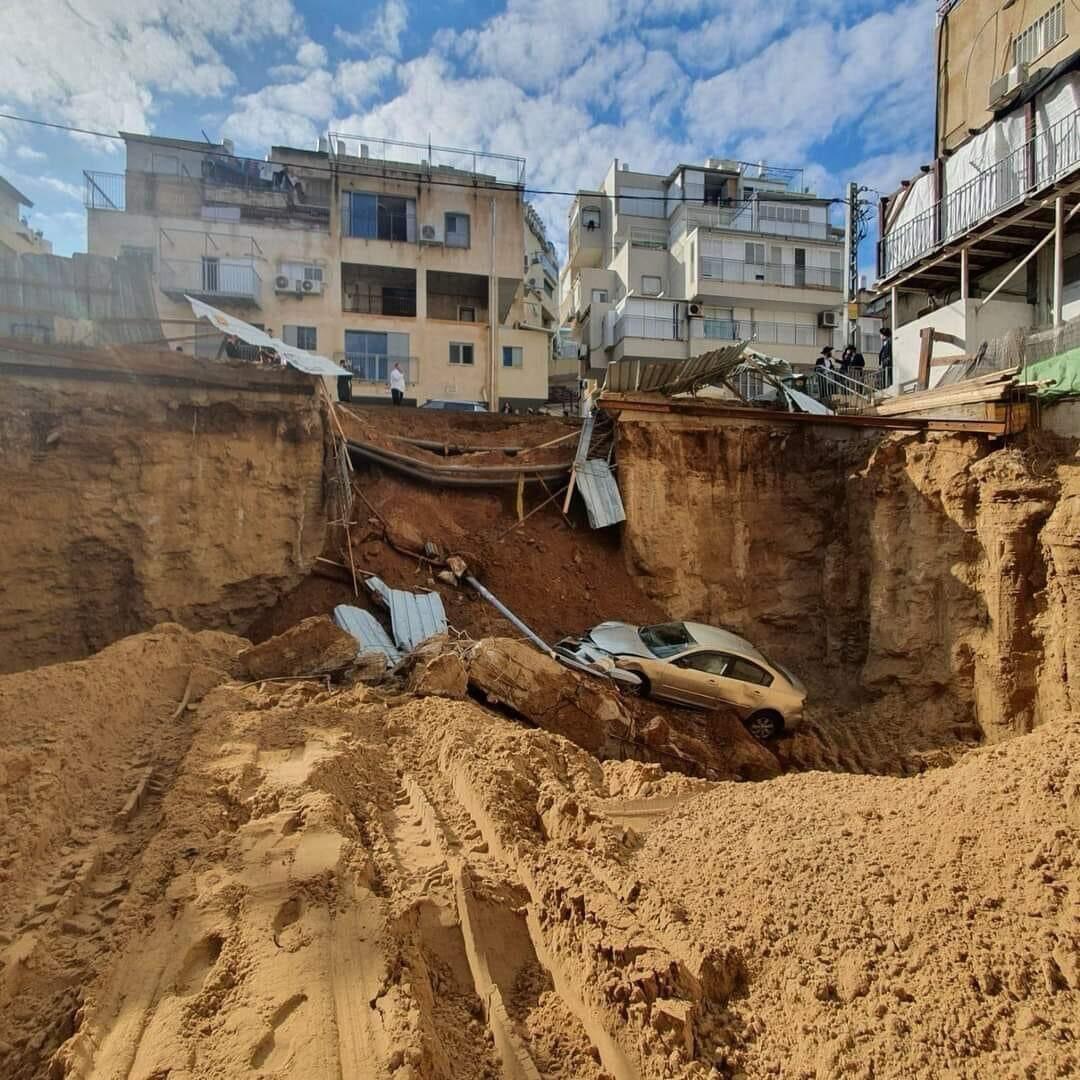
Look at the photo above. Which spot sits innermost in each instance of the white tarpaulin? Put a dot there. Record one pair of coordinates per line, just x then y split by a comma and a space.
301, 359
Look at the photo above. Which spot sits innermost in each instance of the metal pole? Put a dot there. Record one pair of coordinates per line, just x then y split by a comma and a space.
1059, 256
1029, 256
849, 243
506, 613
965, 282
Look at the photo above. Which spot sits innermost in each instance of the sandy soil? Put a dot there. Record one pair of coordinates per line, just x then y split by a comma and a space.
355, 882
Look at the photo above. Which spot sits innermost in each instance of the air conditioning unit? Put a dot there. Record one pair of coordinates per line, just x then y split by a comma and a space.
307, 287
828, 319
282, 284
694, 311
430, 234
1007, 86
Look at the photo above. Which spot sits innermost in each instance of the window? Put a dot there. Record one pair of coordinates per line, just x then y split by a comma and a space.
466, 314
461, 352
666, 639
380, 217
210, 274
371, 354
755, 253
303, 337
599, 296
590, 218
711, 663
511, 356
313, 273
747, 671
1043, 34
549, 289
799, 214
457, 230
651, 285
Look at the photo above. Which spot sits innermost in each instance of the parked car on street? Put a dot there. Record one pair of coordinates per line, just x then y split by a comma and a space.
698, 665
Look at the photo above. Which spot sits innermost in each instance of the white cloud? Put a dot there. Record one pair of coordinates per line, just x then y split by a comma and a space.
61, 186
292, 114
100, 65
384, 34
311, 55
28, 153
359, 80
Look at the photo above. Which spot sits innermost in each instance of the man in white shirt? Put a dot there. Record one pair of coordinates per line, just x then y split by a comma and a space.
397, 383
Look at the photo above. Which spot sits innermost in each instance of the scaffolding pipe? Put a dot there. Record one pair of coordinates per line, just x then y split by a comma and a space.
1033, 252
506, 613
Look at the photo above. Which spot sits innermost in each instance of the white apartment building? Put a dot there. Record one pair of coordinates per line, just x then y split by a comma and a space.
986, 238
667, 267
17, 237
373, 252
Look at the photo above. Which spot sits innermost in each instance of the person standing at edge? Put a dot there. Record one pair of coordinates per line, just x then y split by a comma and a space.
885, 357
397, 384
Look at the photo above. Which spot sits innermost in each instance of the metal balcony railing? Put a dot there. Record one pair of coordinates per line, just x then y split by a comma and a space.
738, 271
376, 367
1045, 158
745, 216
546, 263
504, 168
655, 327
210, 278
104, 190
770, 332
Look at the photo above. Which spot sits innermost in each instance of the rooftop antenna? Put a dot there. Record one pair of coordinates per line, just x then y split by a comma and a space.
206, 137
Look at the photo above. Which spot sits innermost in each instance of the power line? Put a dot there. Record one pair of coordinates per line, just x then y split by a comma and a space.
171, 145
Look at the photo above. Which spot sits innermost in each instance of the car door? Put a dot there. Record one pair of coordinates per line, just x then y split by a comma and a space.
743, 684
695, 678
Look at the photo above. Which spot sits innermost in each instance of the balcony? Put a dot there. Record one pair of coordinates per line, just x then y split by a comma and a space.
785, 275
1040, 162
546, 263
375, 368
378, 290
653, 327
748, 216
211, 279
104, 191
764, 332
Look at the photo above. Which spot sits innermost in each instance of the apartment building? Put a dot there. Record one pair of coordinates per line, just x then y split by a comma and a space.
986, 239
16, 235
667, 267
373, 252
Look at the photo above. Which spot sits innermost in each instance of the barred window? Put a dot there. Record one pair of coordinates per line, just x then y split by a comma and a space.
1043, 34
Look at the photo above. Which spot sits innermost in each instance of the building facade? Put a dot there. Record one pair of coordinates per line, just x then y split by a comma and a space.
17, 237
667, 267
372, 252
986, 239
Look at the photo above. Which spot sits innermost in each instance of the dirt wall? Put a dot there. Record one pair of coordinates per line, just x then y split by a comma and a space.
935, 567
135, 497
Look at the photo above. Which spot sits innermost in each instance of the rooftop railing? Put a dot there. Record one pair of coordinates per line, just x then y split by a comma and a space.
504, 168
1037, 163
104, 190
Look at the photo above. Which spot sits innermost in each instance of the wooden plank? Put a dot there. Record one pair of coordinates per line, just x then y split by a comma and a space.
926, 353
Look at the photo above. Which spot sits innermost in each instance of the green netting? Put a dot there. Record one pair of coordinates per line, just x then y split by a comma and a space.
1064, 369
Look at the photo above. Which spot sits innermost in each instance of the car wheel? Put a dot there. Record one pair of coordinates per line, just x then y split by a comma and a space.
645, 689
764, 725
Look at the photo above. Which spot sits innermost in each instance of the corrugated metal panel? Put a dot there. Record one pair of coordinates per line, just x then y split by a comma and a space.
585, 439
367, 630
601, 494
415, 617
806, 402
671, 376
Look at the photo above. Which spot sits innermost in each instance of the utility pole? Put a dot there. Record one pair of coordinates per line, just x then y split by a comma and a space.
856, 216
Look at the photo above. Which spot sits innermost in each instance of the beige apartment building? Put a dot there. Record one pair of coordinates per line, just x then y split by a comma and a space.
984, 240
16, 235
667, 267
372, 252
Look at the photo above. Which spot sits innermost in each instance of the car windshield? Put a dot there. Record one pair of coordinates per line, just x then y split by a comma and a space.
666, 639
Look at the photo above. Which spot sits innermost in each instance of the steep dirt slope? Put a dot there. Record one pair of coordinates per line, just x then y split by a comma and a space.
137, 496
933, 568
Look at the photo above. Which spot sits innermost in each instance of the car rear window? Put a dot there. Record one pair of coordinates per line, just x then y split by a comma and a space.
747, 671
666, 639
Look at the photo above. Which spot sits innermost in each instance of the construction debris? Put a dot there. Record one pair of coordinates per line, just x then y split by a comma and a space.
414, 617
313, 647
368, 632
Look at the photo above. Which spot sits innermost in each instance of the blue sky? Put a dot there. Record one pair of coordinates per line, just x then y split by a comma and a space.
840, 88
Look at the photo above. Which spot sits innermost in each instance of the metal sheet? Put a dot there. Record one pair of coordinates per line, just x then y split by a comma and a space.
601, 494
414, 617
672, 376
368, 631
308, 362
806, 402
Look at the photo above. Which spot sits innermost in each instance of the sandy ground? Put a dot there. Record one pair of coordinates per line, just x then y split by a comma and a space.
358, 883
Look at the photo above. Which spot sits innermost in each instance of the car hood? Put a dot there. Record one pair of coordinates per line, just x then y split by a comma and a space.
619, 639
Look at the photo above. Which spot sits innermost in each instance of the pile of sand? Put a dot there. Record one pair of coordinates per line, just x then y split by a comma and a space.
888, 927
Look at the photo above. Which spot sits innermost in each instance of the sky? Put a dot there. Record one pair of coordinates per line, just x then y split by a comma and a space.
839, 88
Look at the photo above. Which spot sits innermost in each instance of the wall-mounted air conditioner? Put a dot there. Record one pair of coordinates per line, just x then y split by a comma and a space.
694, 311
1007, 86
308, 287
430, 234
828, 319
283, 284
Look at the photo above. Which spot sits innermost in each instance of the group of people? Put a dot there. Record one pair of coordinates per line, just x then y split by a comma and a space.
852, 363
